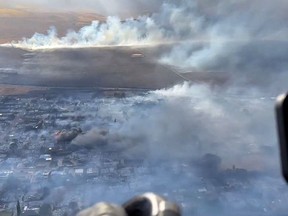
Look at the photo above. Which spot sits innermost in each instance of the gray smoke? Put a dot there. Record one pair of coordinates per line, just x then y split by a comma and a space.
172, 129
246, 38
187, 121
183, 123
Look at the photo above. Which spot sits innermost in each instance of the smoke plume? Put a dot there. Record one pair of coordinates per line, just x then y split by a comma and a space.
246, 39
235, 37
180, 125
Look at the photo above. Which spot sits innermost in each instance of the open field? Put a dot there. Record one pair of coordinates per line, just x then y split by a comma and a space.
91, 67
6, 90
105, 67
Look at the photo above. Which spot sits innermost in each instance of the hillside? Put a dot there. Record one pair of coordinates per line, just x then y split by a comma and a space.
18, 23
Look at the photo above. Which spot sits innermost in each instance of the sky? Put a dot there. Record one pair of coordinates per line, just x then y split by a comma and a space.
110, 7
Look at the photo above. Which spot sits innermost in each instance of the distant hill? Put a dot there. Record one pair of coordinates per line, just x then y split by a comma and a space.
18, 23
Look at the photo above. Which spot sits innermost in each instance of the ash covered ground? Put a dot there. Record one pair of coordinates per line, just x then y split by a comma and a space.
64, 149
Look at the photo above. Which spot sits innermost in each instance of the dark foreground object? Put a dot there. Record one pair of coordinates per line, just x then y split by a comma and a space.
148, 204
282, 123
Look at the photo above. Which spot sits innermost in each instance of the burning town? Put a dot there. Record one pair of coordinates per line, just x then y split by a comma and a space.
63, 150
165, 96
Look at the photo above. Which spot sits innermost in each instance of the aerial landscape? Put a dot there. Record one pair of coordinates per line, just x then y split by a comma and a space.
102, 103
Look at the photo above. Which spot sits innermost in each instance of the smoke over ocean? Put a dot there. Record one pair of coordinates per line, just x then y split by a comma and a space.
246, 40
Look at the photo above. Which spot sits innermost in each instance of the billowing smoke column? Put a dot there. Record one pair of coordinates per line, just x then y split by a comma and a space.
185, 20
185, 136
112, 32
180, 125
186, 121
173, 22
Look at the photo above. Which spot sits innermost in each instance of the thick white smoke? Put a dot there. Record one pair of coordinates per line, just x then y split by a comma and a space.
191, 20
111, 33
173, 22
183, 123
188, 121
235, 37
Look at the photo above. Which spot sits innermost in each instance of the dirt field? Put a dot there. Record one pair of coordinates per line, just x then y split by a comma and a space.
17, 90
87, 67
